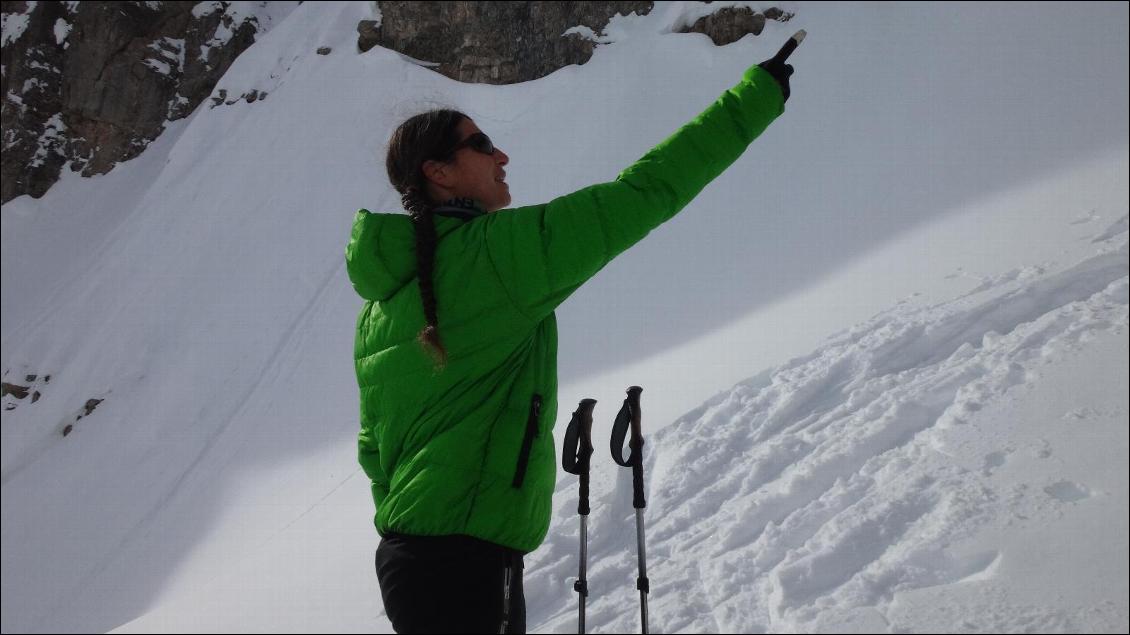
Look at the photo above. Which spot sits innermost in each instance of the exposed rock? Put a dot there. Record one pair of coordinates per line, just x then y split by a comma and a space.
509, 42
491, 42
21, 392
90, 405
732, 24
93, 83
17, 391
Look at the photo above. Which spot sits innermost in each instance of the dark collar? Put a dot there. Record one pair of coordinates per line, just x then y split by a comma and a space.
462, 208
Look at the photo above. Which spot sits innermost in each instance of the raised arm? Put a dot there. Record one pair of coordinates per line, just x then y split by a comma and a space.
542, 253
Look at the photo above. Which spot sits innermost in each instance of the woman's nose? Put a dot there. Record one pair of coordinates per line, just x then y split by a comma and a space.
501, 157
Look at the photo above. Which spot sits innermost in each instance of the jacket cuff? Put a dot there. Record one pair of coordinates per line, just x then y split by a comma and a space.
760, 78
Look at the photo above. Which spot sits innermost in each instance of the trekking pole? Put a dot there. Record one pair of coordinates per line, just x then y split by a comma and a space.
630, 416
575, 459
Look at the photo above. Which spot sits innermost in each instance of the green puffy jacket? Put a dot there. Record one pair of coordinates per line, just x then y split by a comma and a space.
470, 450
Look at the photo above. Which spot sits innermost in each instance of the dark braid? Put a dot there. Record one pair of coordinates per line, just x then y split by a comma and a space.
420, 209
428, 136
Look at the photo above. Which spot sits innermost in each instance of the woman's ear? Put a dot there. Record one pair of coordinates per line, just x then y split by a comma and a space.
437, 172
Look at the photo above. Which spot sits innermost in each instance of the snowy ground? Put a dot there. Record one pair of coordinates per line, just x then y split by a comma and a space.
915, 283
954, 468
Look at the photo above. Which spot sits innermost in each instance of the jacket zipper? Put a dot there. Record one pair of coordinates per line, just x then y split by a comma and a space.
528, 441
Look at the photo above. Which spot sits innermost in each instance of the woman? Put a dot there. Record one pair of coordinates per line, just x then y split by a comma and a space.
457, 416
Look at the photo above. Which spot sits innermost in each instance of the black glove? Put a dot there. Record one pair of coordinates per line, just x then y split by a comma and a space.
780, 72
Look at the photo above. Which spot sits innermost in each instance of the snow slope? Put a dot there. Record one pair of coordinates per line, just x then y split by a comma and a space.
946, 193
919, 472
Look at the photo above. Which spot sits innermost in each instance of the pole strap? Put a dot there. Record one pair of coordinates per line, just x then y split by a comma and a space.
619, 431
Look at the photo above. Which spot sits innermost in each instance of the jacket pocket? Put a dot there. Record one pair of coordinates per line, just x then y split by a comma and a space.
527, 441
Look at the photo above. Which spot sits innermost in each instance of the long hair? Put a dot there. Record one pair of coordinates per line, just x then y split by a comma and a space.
427, 136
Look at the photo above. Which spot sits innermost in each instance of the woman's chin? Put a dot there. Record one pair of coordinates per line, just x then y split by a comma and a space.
503, 200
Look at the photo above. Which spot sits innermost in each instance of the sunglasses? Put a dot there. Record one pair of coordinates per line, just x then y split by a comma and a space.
478, 142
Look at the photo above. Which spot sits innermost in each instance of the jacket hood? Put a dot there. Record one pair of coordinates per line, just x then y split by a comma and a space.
381, 256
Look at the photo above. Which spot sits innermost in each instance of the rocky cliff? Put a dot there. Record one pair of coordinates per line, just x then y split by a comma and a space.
91, 84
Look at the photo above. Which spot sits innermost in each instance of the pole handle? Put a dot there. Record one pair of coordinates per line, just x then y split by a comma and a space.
790, 46
577, 449
629, 419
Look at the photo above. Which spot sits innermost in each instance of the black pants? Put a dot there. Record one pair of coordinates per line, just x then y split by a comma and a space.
450, 584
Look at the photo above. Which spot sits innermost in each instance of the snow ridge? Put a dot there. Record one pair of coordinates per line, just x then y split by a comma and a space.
831, 480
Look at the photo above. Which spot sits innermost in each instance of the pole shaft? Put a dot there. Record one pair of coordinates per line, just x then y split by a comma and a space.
642, 582
575, 460
583, 573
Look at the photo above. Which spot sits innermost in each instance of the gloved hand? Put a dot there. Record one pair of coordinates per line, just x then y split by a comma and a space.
780, 72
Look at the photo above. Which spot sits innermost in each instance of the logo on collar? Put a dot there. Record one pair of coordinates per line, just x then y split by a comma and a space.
460, 207
462, 202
